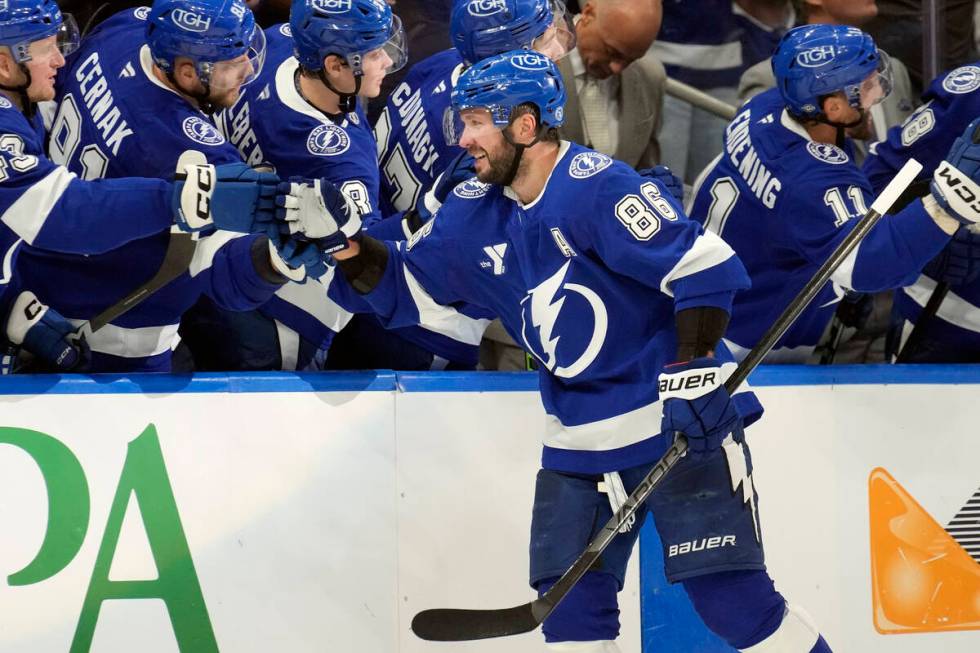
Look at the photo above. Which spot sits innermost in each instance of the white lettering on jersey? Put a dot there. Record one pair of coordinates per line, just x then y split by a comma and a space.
965, 79
98, 100
545, 306
743, 156
238, 129
412, 115
918, 124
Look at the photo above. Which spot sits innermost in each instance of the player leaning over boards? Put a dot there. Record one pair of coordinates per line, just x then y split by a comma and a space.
131, 103
785, 188
46, 206
600, 274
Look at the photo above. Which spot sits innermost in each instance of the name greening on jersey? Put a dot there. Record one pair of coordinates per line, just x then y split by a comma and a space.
746, 160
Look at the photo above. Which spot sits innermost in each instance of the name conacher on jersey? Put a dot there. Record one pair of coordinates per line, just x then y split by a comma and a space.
416, 128
745, 159
100, 104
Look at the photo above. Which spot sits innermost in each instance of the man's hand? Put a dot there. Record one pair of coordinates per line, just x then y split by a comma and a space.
317, 211
696, 403
959, 262
230, 197
45, 333
667, 178
955, 182
461, 168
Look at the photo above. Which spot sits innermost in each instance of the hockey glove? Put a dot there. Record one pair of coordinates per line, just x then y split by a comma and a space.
855, 309
45, 333
317, 211
667, 179
461, 168
230, 197
956, 182
296, 259
696, 403
959, 262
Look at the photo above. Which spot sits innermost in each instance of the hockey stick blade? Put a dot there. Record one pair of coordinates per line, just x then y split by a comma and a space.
176, 260
450, 625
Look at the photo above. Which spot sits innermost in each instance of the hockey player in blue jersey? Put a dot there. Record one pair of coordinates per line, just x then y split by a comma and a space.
411, 129
785, 190
302, 117
952, 335
597, 270
131, 103
46, 207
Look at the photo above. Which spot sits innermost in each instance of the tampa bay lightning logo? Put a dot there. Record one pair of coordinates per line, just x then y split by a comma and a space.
201, 131
5, 103
827, 153
481, 8
332, 6
530, 60
142, 12
587, 164
543, 305
963, 80
328, 140
560, 114
471, 189
191, 21
354, 118
286, 30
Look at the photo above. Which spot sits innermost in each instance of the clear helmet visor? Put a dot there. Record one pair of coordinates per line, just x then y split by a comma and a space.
63, 42
559, 39
392, 55
472, 123
234, 73
878, 85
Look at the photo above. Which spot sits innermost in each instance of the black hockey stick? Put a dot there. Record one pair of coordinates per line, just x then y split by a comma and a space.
176, 261
925, 317
454, 625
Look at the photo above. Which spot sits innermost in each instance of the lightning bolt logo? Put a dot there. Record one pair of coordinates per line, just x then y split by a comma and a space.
545, 310
739, 473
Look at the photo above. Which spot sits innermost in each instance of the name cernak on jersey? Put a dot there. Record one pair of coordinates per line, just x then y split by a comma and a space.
99, 102
746, 160
413, 121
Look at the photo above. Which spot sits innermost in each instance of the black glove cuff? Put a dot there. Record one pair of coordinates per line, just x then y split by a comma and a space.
364, 271
699, 330
261, 262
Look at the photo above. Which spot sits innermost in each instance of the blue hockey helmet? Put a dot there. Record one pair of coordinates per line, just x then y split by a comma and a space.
814, 61
23, 22
483, 28
346, 28
503, 82
221, 37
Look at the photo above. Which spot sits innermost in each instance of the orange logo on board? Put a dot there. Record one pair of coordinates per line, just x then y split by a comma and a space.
923, 576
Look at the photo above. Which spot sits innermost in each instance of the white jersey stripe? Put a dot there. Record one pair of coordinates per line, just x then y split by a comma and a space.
441, 319
27, 215
139, 342
707, 251
954, 309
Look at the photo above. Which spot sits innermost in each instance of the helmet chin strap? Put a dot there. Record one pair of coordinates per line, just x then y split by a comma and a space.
348, 101
842, 126
27, 106
203, 100
515, 163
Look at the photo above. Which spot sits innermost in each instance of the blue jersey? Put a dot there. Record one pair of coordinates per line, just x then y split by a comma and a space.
116, 119
712, 53
784, 202
951, 102
274, 123
587, 277
412, 148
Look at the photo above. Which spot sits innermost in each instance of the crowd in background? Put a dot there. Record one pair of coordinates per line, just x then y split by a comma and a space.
618, 104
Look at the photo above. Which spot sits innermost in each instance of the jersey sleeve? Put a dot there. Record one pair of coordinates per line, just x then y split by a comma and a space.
51, 208
828, 206
950, 104
640, 231
224, 263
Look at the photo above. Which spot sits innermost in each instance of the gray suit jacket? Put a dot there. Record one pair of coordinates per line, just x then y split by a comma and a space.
641, 101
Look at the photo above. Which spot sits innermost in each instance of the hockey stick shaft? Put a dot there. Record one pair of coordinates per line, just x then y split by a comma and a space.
926, 316
462, 625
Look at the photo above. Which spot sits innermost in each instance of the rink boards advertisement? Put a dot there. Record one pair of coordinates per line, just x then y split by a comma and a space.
321, 512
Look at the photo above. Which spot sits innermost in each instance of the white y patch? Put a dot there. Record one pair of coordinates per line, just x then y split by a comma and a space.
496, 254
